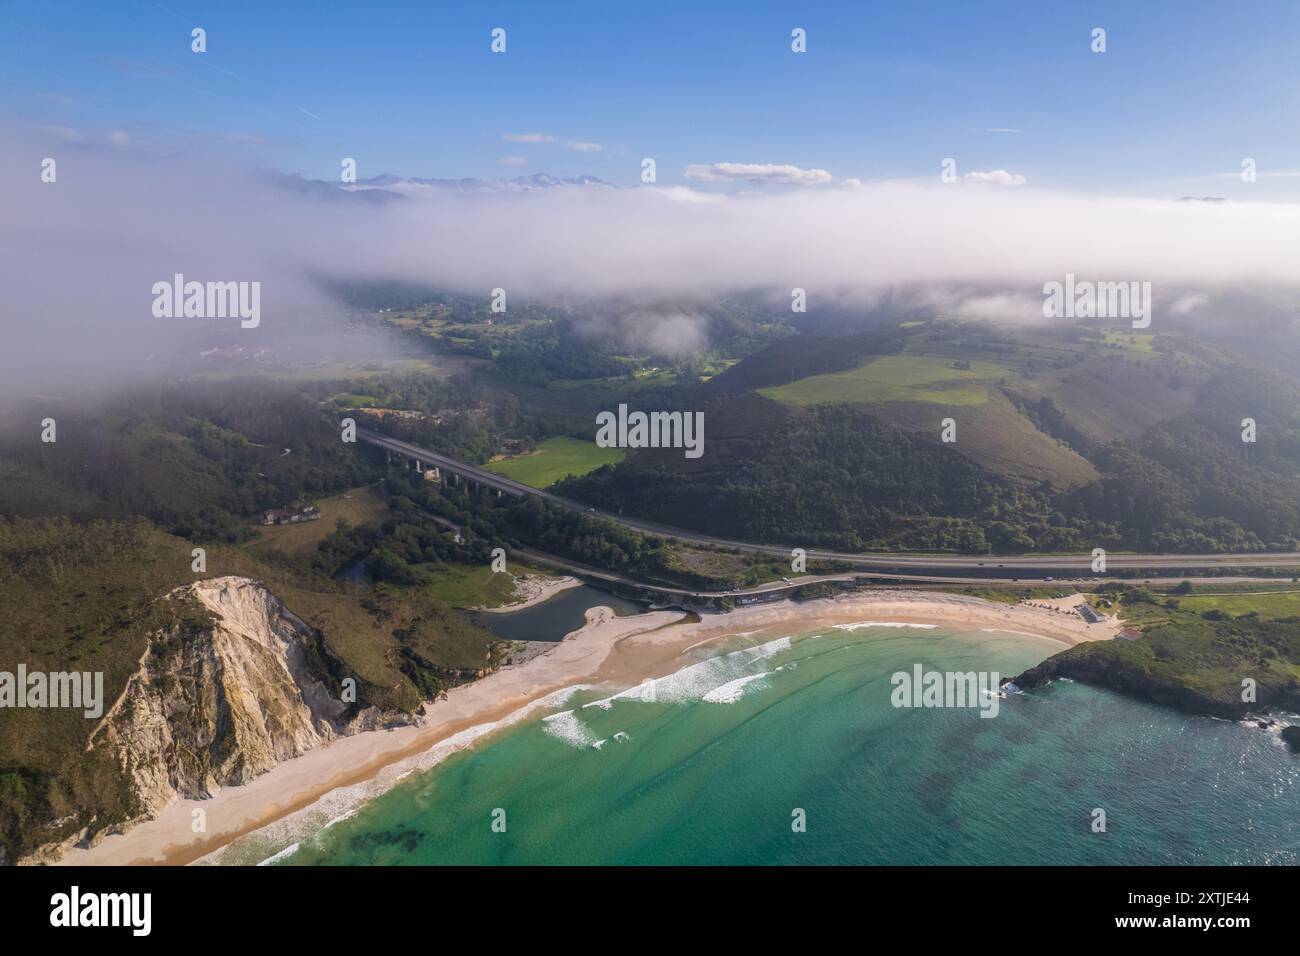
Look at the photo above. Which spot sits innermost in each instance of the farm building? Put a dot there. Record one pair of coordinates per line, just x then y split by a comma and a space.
291, 515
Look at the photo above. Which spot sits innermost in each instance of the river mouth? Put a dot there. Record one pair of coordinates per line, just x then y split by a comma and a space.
552, 619
549, 621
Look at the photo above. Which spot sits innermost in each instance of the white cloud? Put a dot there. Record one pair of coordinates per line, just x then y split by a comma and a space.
84, 255
998, 177
65, 133
684, 194
1263, 174
513, 161
1000, 307
1189, 303
119, 138
530, 137
580, 147
664, 332
883, 236
775, 173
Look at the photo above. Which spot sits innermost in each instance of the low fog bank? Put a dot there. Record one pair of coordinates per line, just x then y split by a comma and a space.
82, 255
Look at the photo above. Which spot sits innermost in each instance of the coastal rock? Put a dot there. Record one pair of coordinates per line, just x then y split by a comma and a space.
1092, 665
1292, 737
222, 698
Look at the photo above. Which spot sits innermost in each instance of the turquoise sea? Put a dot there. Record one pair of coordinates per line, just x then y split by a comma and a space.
713, 769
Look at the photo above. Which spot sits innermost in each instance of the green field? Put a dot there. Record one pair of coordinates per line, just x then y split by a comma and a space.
641, 379
1270, 604
462, 585
895, 378
996, 436
1134, 342
327, 371
554, 459
353, 400
358, 506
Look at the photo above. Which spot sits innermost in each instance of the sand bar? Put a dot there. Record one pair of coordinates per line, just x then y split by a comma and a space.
531, 589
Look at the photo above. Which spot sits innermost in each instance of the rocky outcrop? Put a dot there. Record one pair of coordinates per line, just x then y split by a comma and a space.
223, 697
1092, 666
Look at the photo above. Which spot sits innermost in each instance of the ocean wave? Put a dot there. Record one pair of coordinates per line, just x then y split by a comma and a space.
731, 691
1007, 630
274, 858
644, 691
696, 681
567, 727
862, 624
556, 698
289, 833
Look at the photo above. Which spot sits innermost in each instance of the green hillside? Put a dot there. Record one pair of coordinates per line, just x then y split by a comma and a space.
555, 459
1067, 438
86, 597
896, 378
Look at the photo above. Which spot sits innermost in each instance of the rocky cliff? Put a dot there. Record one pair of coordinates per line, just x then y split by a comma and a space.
1094, 665
224, 697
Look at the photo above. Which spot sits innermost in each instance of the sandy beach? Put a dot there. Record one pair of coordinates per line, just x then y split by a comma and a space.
533, 589
334, 779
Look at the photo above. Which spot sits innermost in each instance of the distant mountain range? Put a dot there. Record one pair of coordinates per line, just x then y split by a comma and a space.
388, 187
519, 184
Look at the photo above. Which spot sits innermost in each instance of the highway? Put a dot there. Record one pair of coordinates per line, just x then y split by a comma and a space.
931, 568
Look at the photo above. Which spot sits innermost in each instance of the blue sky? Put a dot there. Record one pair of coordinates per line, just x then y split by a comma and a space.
886, 90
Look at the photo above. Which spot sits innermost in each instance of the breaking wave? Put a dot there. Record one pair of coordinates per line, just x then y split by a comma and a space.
861, 624
698, 681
